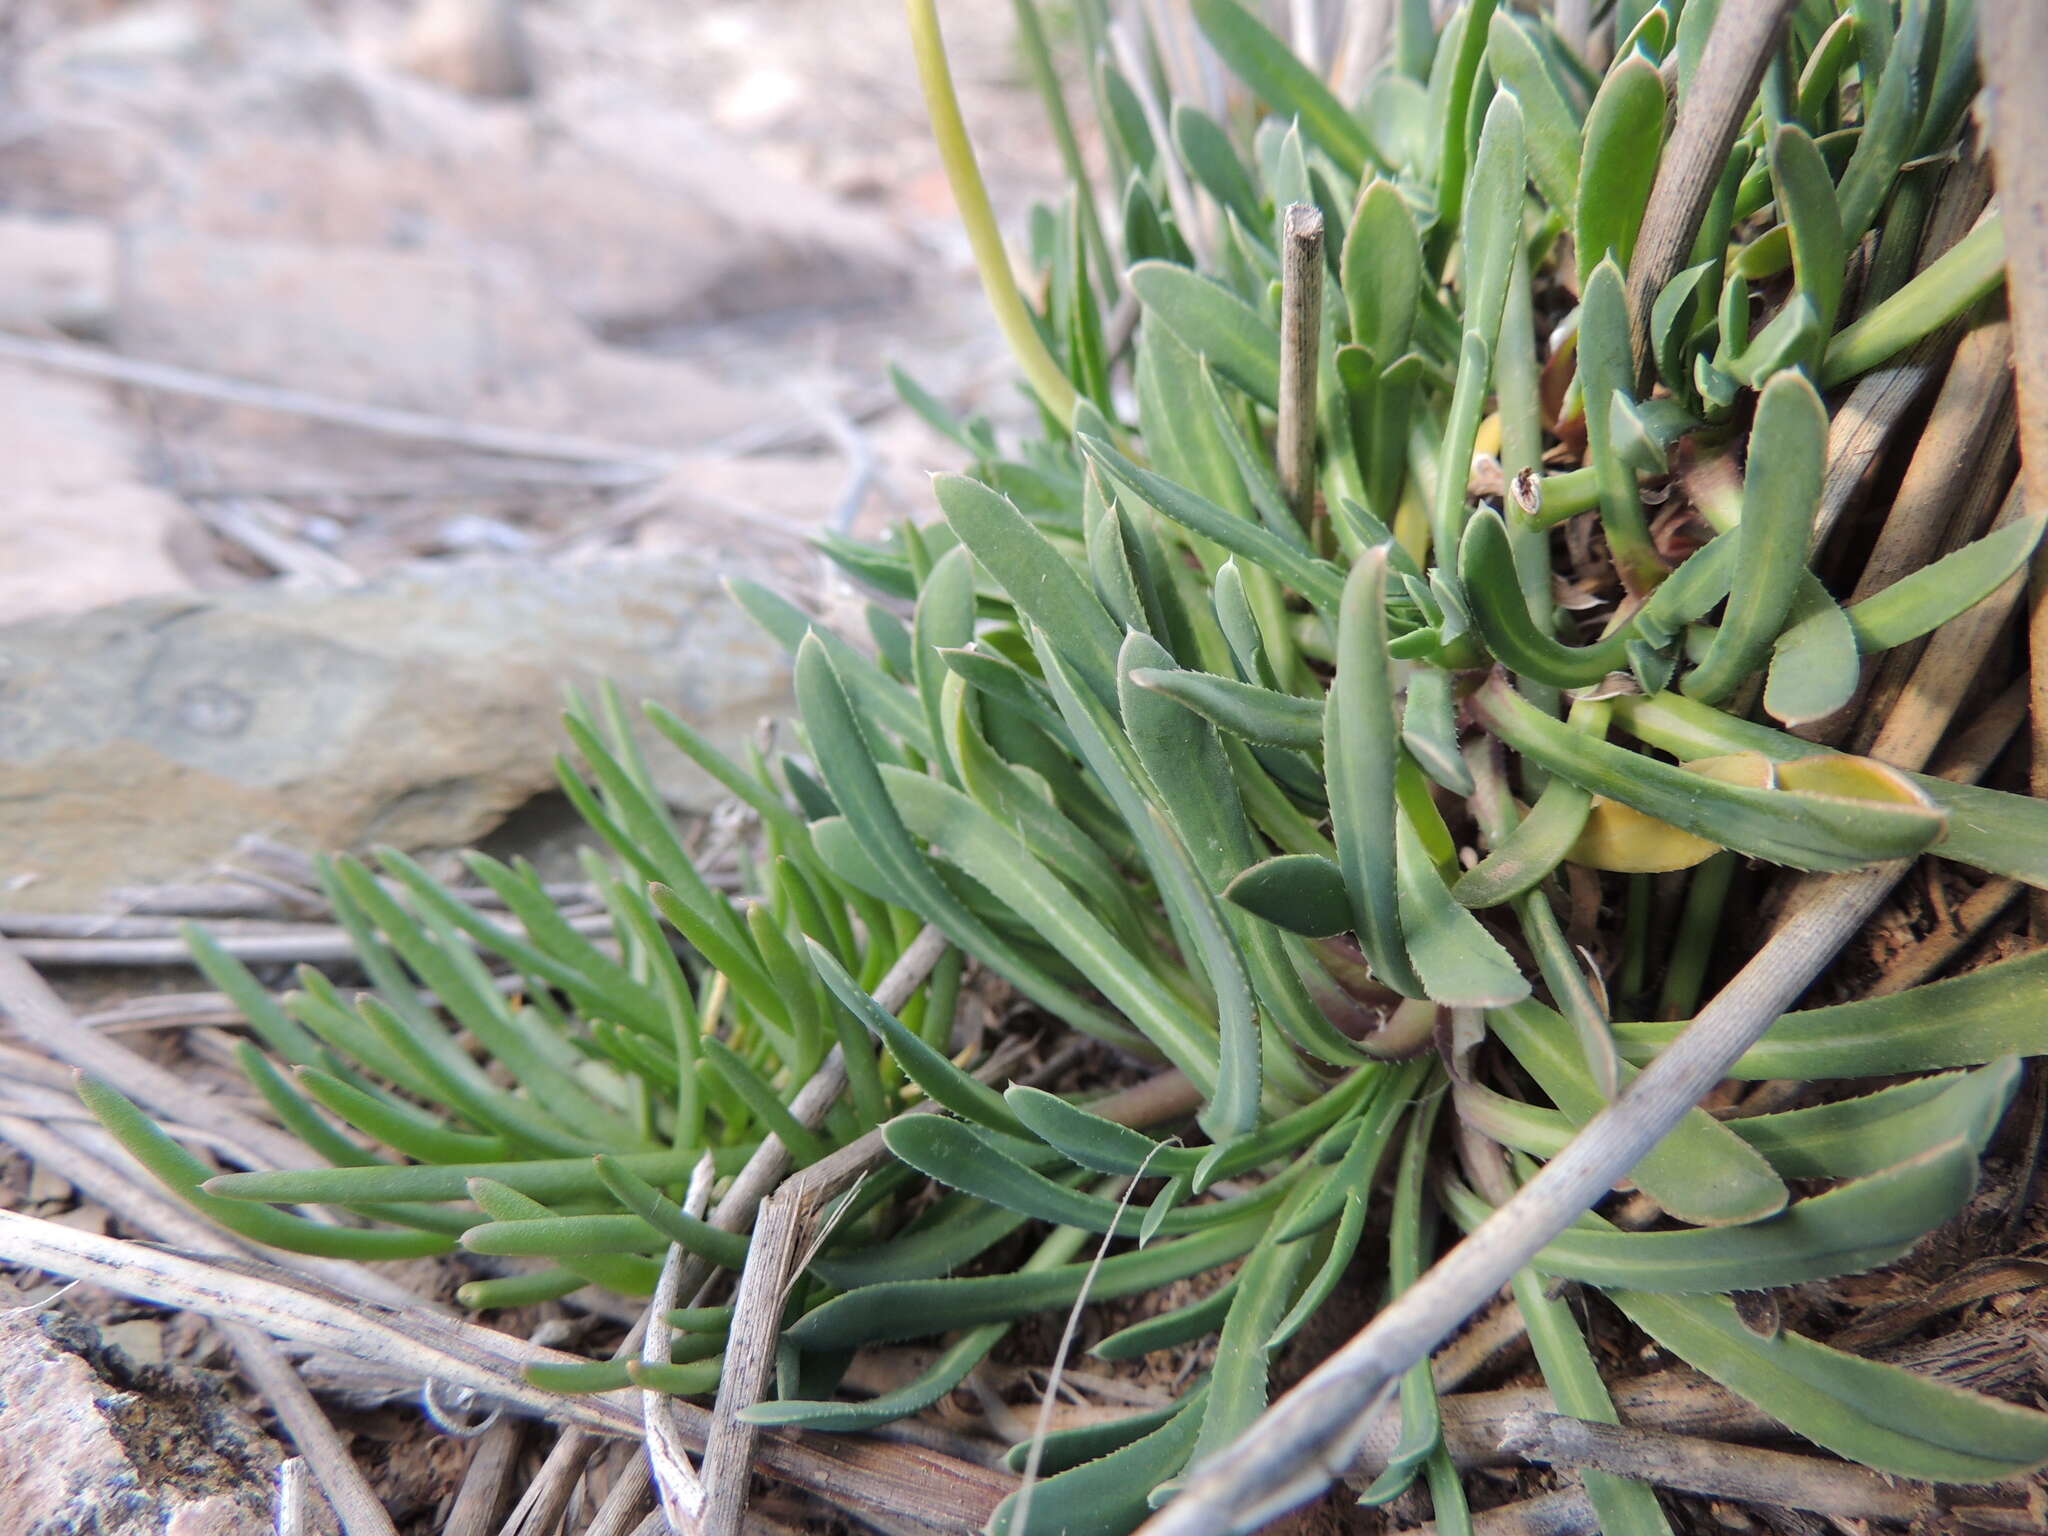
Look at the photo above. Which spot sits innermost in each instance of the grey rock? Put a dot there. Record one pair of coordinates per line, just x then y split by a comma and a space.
477, 47
78, 522
398, 328
139, 742
56, 274
92, 1442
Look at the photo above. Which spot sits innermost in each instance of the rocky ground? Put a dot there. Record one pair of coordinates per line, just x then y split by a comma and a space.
673, 264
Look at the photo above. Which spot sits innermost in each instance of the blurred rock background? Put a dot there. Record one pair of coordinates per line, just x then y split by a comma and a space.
673, 247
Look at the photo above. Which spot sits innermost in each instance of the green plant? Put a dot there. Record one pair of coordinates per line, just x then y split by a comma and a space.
1193, 773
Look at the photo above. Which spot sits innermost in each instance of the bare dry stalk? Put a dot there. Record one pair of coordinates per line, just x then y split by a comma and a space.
1972, 500
294, 1507
1675, 1401
2012, 40
487, 1482
626, 1503
757, 1317
92, 362
1972, 750
783, 1234
1307, 1438
1958, 436
1881, 399
1923, 960
354, 1501
1567, 1512
91, 1159
766, 1168
1301, 329
682, 1496
1949, 667
546, 1499
1967, 442
1496, 1328
1738, 1472
1731, 68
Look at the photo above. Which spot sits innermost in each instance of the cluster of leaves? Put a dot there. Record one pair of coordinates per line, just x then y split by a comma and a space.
1191, 773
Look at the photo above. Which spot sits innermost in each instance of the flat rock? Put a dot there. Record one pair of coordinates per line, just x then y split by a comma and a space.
79, 525
139, 742
90, 1441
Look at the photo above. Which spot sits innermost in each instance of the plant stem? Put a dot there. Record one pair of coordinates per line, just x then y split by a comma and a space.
1944, 289
1686, 970
1301, 331
1031, 33
978, 217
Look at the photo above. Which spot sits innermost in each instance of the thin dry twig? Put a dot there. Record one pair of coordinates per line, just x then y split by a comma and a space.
765, 1169
546, 1499
947, 1494
487, 1481
1967, 442
92, 362
354, 1501
788, 1218
1020, 1518
779, 1230
1923, 960
265, 530
294, 1508
682, 1495
1566, 1512
2012, 40
1731, 68
626, 1502
1738, 1472
1949, 667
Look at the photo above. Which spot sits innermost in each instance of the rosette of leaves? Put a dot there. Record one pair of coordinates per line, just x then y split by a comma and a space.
1268, 771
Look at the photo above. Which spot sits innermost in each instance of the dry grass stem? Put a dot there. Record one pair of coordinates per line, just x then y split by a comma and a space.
1567, 1512
1738, 1472
1738, 51
948, 1494
294, 1506
626, 1502
1301, 330
354, 1501
682, 1496
418, 426
1926, 959
487, 1482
